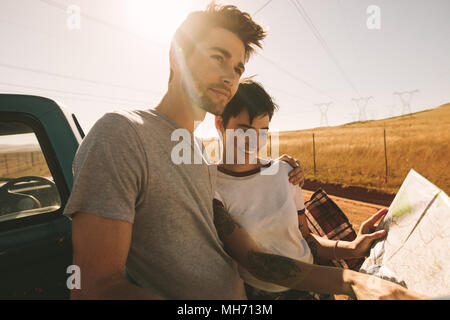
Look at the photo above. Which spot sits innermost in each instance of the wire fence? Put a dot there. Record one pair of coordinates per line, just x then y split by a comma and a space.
375, 157
18, 164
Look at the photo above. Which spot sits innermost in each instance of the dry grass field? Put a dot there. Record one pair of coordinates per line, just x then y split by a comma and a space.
353, 154
19, 164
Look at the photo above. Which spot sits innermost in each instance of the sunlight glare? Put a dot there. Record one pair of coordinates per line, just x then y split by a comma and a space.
158, 19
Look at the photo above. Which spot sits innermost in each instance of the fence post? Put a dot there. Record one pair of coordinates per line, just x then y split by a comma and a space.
314, 154
270, 146
6, 164
385, 155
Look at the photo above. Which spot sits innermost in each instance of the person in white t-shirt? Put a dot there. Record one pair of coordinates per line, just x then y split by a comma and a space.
258, 216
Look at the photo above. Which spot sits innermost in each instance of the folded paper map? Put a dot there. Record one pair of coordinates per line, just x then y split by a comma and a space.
416, 251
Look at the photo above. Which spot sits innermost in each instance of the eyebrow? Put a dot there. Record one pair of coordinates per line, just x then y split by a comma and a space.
250, 127
228, 55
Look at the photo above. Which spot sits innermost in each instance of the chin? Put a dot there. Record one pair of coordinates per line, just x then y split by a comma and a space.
214, 108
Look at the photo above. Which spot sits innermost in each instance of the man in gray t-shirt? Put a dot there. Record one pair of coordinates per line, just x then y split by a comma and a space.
123, 171
142, 225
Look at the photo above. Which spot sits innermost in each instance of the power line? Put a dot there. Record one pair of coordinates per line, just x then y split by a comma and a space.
105, 23
322, 42
288, 93
60, 75
58, 96
344, 17
64, 75
52, 3
121, 29
53, 36
295, 77
28, 28
74, 93
263, 6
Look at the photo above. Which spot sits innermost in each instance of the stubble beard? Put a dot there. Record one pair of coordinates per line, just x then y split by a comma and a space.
199, 98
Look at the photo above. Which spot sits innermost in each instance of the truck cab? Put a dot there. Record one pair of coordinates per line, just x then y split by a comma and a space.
38, 142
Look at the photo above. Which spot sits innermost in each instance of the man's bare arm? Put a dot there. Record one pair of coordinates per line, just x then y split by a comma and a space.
299, 275
101, 248
274, 268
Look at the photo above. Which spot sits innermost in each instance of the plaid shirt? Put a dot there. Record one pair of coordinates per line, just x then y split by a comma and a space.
326, 219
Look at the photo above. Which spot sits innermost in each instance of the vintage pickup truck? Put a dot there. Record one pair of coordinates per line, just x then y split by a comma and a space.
38, 141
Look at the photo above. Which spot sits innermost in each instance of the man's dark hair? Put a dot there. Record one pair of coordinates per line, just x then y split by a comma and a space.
252, 97
198, 23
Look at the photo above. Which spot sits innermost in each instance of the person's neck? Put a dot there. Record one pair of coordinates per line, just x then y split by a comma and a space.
241, 167
177, 106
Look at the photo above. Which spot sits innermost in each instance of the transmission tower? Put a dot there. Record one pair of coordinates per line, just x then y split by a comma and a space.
361, 103
323, 108
405, 98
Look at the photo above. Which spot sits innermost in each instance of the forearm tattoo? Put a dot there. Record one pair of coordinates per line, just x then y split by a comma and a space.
272, 267
224, 223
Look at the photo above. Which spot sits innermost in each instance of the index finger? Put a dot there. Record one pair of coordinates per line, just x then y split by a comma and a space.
377, 216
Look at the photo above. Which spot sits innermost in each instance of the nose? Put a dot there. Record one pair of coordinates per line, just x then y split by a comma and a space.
228, 76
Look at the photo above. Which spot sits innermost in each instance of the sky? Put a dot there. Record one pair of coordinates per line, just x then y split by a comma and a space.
316, 53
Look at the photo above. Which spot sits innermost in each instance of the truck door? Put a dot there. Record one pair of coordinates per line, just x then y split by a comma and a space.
37, 144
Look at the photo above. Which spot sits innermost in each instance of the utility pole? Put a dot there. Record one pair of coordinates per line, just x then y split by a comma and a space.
385, 156
405, 98
361, 104
323, 108
314, 153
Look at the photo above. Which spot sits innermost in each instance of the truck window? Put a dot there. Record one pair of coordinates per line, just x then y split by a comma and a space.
26, 184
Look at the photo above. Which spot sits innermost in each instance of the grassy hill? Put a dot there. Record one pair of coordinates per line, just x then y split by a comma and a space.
353, 154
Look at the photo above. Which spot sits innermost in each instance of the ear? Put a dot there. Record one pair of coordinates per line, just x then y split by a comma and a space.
218, 121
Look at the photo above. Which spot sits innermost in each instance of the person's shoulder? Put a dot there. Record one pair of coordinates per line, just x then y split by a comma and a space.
283, 165
131, 120
115, 126
277, 169
133, 117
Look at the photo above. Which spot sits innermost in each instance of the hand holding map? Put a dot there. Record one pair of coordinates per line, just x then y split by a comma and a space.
416, 251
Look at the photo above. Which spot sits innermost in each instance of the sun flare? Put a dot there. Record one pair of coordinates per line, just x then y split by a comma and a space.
158, 19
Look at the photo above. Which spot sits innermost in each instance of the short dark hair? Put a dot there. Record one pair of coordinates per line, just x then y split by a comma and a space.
252, 97
199, 23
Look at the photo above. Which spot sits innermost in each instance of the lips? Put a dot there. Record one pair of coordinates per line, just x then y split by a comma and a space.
225, 93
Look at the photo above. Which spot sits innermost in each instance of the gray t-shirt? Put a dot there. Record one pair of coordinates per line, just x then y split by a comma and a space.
123, 170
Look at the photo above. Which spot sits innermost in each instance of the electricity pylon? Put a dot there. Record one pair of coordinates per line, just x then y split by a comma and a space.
405, 98
361, 103
323, 108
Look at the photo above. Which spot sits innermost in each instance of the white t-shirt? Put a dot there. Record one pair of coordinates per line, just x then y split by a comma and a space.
265, 204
